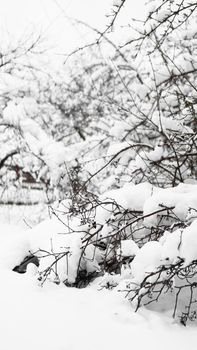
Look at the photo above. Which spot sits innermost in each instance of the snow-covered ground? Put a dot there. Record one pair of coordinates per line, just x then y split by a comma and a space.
61, 318
57, 317
23, 216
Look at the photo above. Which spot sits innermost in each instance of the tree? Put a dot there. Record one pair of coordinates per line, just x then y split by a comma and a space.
121, 151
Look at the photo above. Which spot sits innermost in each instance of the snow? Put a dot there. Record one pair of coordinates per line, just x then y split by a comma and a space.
155, 155
119, 129
61, 317
188, 246
180, 198
169, 124
62, 238
117, 2
163, 14
128, 248
180, 244
123, 150
23, 216
14, 246
170, 246
147, 259
58, 317
64, 235
143, 159
130, 196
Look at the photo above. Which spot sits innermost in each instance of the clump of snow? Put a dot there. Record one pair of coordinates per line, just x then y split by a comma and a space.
119, 129
163, 14
143, 159
12, 115
130, 196
128, 248
188, 243
58, 244
150, 7
171, 243
155, 155
147, 259
168, 124
180, 199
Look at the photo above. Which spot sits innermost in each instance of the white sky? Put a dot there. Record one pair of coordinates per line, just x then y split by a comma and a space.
47, 17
